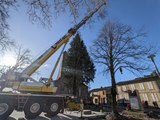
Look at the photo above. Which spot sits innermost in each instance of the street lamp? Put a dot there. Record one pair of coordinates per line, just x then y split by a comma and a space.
152, 59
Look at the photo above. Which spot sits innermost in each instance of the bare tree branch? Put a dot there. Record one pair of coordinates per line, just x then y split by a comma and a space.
5, 5
39, 10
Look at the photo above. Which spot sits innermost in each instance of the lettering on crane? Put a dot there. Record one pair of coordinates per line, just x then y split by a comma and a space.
63, 38
55, 45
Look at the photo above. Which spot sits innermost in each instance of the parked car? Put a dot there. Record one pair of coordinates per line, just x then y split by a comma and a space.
123, 102
106, 107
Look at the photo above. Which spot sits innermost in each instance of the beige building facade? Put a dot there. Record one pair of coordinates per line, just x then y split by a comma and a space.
100, 95
148, 89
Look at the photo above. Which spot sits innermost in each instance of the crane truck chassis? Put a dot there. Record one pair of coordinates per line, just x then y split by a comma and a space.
35, 97
31, 104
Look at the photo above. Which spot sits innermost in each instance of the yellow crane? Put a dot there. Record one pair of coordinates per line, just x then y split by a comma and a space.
31, 96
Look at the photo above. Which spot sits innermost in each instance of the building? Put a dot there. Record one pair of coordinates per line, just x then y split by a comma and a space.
101, 95
148, 88
62, 89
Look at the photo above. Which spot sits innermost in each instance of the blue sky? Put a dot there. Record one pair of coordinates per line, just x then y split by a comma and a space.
136, 13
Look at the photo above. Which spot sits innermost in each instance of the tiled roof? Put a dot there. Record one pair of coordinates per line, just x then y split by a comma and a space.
138, 80
99, 89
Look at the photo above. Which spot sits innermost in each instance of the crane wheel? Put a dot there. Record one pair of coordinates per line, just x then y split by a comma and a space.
6, 108
32, 109
53, 108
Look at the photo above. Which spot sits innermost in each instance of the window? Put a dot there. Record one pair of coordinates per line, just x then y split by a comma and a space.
96, 100
141, 86
124, 88
150, 86
104, 101
132, 87
154, 97
145, 97
103, 93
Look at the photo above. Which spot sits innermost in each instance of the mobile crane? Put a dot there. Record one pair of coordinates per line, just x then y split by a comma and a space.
31, 96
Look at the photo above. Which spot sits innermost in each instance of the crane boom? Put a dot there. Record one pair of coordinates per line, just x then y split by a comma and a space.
26, 93
46, 55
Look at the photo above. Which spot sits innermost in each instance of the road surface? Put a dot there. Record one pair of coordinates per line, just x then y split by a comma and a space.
67, 116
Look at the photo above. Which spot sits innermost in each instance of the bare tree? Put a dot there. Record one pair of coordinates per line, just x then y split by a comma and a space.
119, 47
5, 42
23, 58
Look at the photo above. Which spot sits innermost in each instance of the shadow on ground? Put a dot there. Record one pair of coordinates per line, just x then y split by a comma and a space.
58, 117
11, 118
64, 118
22, 118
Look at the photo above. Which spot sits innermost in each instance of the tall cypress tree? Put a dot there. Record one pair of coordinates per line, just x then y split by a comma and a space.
78, 68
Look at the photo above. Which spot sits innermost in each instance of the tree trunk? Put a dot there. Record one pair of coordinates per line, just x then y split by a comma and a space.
115, 113
114, 93
113, 89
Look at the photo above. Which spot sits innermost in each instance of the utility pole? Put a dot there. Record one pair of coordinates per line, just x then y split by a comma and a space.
152, 59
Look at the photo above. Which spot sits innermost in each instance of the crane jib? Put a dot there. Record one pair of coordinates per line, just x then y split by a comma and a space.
44, 57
